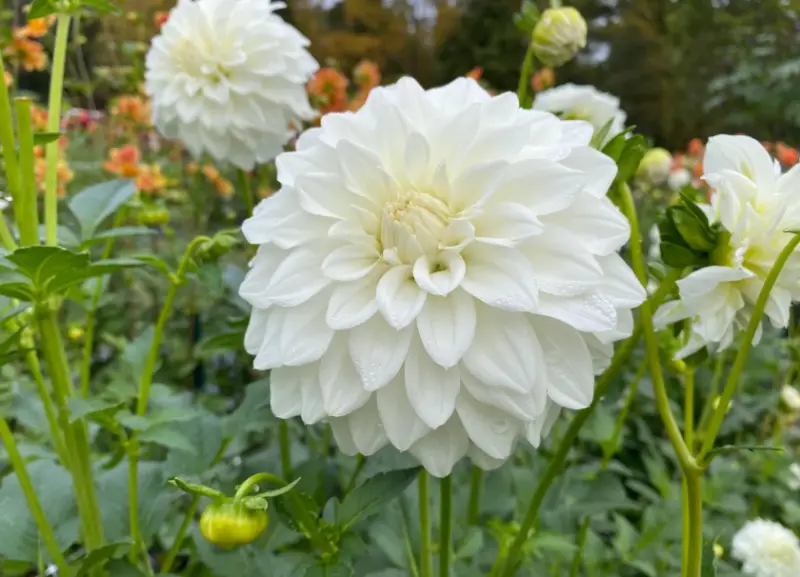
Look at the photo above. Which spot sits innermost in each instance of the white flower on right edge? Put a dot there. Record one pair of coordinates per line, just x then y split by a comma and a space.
755, 206
576, 102
767, 549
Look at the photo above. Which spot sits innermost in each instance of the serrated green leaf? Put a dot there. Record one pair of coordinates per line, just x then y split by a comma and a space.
372, 494
40, 9
80, 407
42, 138
93, 205
100, 556
228, 341
119, 232
298, 511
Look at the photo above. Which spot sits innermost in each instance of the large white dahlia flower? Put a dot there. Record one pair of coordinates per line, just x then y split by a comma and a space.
227, 77
755, 205
767, 549
580, 102
439, 272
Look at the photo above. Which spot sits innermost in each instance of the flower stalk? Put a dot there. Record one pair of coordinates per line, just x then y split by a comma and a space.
53, 125
425, 561
445, 525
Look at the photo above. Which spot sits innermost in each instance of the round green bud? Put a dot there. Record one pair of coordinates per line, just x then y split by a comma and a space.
558, 35
229, 524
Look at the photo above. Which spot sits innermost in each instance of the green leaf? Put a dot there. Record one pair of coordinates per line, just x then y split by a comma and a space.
166, 436
42, 263
553, 543
133, 422
677, 256
194, 489
252, 411
628, 163
16, 286
103, 6
94, 270
298, 511
228, 341
206, 434
13, 312
99, 557
709, 566
41, 138
80, 407
373, 494
119, 232
471, 545
40, 9
155, 262
599, 137
738, 448
95, 204
696, 233
281, 491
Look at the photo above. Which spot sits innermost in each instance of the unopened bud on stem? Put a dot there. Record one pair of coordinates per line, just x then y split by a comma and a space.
559, 34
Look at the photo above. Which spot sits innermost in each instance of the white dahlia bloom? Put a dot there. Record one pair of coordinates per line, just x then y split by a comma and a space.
575, 102
794, 479
227, 77
767, 549
679, 178
438, 272
755, 206
790, 397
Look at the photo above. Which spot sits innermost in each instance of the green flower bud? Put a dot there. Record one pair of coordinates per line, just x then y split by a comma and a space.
154, 216
217, 246
232, 524
558, 35
655, 166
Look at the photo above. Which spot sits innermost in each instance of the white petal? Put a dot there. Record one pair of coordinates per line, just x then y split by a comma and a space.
313, 408
620, 285
269, 355
542, 185
305, 336
482, 460
256, 330
298, 278
400, 299
353, 303
506, 353
500, 277
378, 351
432, 389
540, 428
351, 262
589, 312
446, 327
366, 428
570, 377
706, 279
594, 222
493, 431
342, 391
401, 423
286, 391
344, 440
442, 276
522, 406
440, 450
599, 169
740, 154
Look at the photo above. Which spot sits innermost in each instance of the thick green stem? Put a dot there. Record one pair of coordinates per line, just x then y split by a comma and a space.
475, 488
445, 525
710, 435
91, 318
25, 206
425, 558
53, 125
523, 87
75, 434
285, 449
247, 191
49, 410
42, 524
145, 381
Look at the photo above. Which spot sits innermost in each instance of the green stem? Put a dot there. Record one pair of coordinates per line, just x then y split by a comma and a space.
49, 409
10, 160
91, 318
710, 435
475, 487
247, 191
53, 125
425, 558
5, 235
525, 76
577, 559
360, 462
176, 280
623, 415
685, 458
688, 417
75, 434
285, 449
25, 206
445, 525
708, 405
694, 485
251, 482
42, 524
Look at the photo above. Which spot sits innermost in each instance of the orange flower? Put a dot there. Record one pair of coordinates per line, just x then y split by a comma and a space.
8, 78
38, 118
123, 161
698, 170
358, 100
224, 187
64, 174
160, 18
787, 155
30, 53
328, 90
150, 179
367, 74
695, 148
133, 108
476, 73
36, 28
543, 79
210, 172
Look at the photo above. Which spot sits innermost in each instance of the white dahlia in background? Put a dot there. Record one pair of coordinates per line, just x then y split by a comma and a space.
679, 178
439, 271
575, 102
767, 549
755, 205
227, 77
